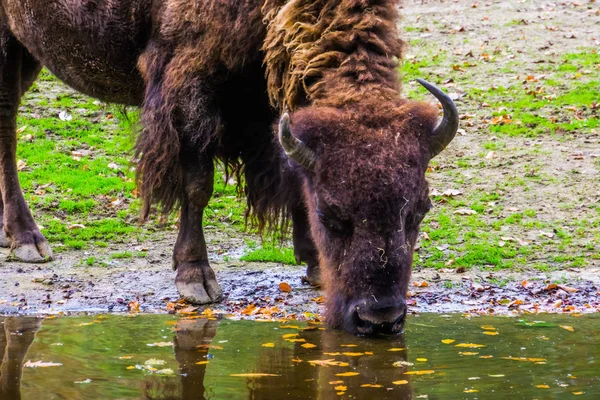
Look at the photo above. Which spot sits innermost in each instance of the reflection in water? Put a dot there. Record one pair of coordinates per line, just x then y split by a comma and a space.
191, 343
293, 375
16, 336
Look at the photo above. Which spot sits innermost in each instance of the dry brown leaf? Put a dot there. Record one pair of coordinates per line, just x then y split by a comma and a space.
285, 287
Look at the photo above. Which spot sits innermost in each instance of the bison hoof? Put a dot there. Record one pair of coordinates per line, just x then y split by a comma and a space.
313, 275
30, 247
4, 239
196, 283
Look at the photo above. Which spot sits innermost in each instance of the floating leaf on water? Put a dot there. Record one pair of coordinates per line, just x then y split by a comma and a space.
448, 341
309, 345
347, 374
290, 335
40, 364
402, 363
160, 344
490, 333
336, 382
324, 363
368, 353
299, 340
341, 388
289, 327
253, 375
488, 328
577, 393
568, 328
155, 361
397, 349
497, 376
486, 356
470, 391
131, 367
202, 363
296, 360
401, 382
470, 345
337, 353
467, 353
421, 372
421, 359
268, 345
536, 324
348, 345
351, 354
371, 385
542, 386
125, 357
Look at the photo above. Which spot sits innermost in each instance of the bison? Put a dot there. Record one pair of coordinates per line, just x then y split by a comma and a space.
346, 166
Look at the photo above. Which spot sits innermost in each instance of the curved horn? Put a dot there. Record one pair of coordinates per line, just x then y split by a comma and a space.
295, 148
445, 131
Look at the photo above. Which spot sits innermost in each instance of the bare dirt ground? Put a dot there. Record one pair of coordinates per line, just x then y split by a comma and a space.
567, 167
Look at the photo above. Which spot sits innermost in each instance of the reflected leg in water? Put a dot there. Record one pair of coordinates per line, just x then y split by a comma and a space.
363, 371
192, 345
16, 336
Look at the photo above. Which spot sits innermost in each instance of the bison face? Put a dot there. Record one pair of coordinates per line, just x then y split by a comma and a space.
363, 171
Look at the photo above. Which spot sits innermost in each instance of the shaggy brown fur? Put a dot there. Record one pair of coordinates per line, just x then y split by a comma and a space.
212, 78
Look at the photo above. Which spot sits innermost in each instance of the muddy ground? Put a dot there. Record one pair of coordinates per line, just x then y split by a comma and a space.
64, 285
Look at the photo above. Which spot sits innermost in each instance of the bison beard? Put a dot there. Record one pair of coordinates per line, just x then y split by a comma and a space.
346, 167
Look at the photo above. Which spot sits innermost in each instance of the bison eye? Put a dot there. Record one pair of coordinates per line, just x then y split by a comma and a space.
331, 223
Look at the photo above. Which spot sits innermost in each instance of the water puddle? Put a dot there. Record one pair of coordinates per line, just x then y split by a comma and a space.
166, 357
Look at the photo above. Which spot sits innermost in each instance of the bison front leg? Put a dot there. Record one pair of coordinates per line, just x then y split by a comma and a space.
196, 280
304, 247
17, 71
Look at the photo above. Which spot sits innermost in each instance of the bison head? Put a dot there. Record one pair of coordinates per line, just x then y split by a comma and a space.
363, 172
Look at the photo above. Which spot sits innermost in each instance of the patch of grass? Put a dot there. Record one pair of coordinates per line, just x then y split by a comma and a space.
271, 253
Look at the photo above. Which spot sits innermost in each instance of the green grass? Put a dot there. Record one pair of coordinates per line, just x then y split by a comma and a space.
269, 252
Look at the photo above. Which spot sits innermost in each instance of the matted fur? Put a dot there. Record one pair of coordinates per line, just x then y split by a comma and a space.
323, 52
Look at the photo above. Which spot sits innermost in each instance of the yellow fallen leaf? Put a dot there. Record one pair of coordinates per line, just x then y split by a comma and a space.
336, 382
371, 385
420, 284
296, 360
368, 353
421, 359
568, 328
448, 341
268, 345
577, 393
289, 327
542, 386
397, 349
285, 287
421, 372
467, 353
486, 356
253, 375
497, 376
309, 345
125, 357
290, 335
300, 340
348, 345
340, 393
401, 382
351, 354
341, 388
160, 344
470, 391
490, 333
488, 328
470, 345
347, 374
337, 353
131, 367
202, 363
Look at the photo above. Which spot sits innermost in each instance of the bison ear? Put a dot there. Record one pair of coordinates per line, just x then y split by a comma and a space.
295, 148
444, 132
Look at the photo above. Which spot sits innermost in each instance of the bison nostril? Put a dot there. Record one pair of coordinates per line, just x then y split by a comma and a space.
386, 320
